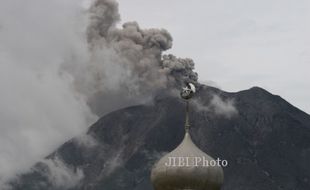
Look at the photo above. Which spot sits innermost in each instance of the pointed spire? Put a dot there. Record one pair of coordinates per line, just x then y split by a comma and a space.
187, 93
187, 125
179, 175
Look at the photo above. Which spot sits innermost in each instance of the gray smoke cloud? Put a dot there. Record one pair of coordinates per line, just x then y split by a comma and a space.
59, 72
126, 65
39, 108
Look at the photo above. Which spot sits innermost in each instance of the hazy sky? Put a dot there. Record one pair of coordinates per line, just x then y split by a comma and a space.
237, 44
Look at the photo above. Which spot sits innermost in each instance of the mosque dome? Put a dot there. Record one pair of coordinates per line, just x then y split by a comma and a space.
187, 167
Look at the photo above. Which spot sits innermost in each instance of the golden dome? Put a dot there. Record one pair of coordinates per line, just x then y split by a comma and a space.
187, 167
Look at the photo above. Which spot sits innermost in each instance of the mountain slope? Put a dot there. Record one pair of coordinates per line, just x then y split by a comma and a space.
266, 142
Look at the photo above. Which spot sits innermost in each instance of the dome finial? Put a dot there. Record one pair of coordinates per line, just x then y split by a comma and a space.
187, 93
180, 170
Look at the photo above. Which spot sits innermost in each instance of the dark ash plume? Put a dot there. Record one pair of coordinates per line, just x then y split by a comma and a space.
104, 16
126, 64
55, 75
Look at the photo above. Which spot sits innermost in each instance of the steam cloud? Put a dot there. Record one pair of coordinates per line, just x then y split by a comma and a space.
217, 106
59, 72
39, 108
59, 175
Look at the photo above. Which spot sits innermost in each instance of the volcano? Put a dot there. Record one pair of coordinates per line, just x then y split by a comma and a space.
266, 143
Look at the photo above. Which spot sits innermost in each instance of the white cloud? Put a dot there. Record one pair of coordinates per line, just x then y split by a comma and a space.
38, 108
60, 175
217, 106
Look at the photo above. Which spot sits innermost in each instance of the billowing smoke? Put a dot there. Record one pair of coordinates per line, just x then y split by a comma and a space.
63, 64
126, 65
39, 108
59, 72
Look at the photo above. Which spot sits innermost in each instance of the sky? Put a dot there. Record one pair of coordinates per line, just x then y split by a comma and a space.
237, 44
